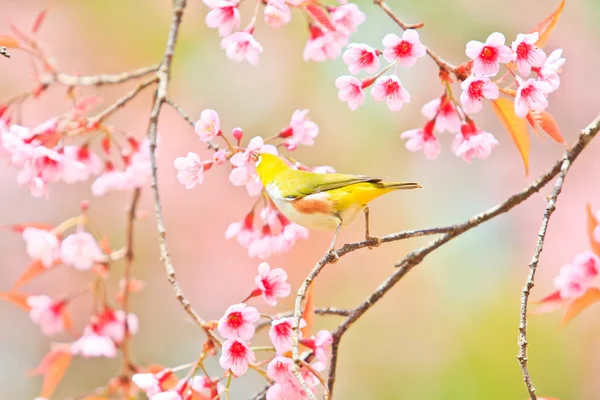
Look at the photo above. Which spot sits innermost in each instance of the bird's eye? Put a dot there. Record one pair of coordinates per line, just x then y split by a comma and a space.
254, 157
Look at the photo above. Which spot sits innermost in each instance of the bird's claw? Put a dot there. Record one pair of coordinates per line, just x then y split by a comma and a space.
373, 238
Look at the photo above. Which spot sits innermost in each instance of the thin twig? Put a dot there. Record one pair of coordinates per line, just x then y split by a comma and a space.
319, 311
97, 80
522, 356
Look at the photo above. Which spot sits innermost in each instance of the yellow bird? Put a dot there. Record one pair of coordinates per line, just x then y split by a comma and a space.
321, 201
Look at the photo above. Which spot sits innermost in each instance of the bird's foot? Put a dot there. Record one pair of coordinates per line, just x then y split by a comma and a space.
377, 241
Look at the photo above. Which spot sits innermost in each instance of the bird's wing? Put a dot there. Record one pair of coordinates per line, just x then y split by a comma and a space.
316, 183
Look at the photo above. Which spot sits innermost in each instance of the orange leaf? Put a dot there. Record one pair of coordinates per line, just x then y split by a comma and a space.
20, 299
308, 313
55, 371
320, 16
517, 127
581, 303
547, 122
546, 27
9, 42
592, 223
35, 269
38, 20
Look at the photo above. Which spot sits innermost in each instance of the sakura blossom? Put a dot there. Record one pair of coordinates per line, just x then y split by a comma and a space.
588, 265
350, 90
277, 13
80, 163
445, 114
280, 333
237, 323
225, 16
488, 56
473, 142
526, 54
548, 72
287, 391
531, 95
272, 283
244, 173
190, 170
235, 356
81, 251
323, 45
405, 50
301, 130
93, 344
390, 90
279, 369
475, 89
346, 18
112, 325
42, 245
359, 57
171, 394
570, 282
277, 235
243, 231
423, 139
208, 126
148, 383
242, 45
207, 386
219, 157
47, 313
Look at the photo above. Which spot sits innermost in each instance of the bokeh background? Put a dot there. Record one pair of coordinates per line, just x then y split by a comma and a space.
446, 331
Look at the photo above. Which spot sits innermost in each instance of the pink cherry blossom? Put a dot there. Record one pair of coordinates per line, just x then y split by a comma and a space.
171, 394
225, 16
531, 95
280, 333
236, 355
244, 173
42, 245
405, 50
272, 283
219, 157
80, 163
359, 57
445, 114
47, 314
208, 126
488, 56
206, 386
40, 166
570, 282
92, 344
350, 90
285, 391
588, 264
323, 45
549, 71
112, 324
473, 142
279, 369
526, 54
346, 18
277, 235
81, 251
190, 170
390, 89
243, 231
237, 323
321, 346
242, 45
277, 13
301, 130
423, 139
475, 89
149, 383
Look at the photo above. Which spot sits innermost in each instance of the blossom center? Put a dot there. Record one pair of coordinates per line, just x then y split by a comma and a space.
391, 88
527, 91
237, 350
488, 53
235, 319
475, 89
522, 50
403, 48
366, 57
283, 329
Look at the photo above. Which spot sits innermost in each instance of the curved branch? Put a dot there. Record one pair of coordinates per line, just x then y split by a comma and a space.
97, 80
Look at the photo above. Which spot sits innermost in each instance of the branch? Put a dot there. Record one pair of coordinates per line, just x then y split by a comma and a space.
522, 356
98, 118
319, 311
4, 52
97, 80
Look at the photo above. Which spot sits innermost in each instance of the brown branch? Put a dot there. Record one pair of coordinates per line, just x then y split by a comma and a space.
522, 356
98, 118
97, 80
319, 311
4, 52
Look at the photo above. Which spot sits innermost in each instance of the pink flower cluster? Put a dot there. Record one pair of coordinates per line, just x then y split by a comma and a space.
154, 385
329, 27
574, 279
398, 51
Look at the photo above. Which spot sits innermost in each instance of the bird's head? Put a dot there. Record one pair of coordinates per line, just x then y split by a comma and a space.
267, 166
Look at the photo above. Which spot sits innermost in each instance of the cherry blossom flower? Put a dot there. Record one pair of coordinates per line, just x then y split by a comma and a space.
423, 139
321, 346
225, 16
405, 50
172, 394
445, 114
301, 130
242, 45
93, 344
81, 251
112, 324
359, 57
475, 89
588, 264
277, 13
236, 355
280, 333
346, 18
549, 71
237, 323
526, 54
473, 142
243, 231
570, 282
350, 90
488, 56
208, 126
279, 369
244, 172
390, 89
277, 235
80, 164
206, 386
272, 283
40, 166
149, 383
323, 45
531, 95
48, 314
219, 157
190, 170
42, 245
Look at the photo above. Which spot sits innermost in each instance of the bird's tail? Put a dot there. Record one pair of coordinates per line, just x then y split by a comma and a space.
399, 185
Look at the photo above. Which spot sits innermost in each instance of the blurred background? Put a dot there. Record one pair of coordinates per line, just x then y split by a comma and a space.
449, 329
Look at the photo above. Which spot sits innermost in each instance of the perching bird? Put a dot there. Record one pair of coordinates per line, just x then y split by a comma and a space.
321, 201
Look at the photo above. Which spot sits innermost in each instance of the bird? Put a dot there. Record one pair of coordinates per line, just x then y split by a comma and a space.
321, 201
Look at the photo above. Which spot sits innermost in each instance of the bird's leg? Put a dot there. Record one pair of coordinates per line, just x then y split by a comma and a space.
332, 247
367, 236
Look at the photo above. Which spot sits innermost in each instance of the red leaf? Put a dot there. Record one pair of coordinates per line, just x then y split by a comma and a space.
9, 42
319, 14
517, 127
546, 27
592, 223
309, 313
580, 304
21, 227
33, 270
20, 299
547, 122
38, 20
555, 296
53, 366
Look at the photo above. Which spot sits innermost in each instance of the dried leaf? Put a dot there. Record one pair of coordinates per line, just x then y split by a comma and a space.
592, 223
591, 296
547, 122
319, 14
517, 127
54, 372
38, 20
546, 27
309, 313
33, 270
9, 42
20, 299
